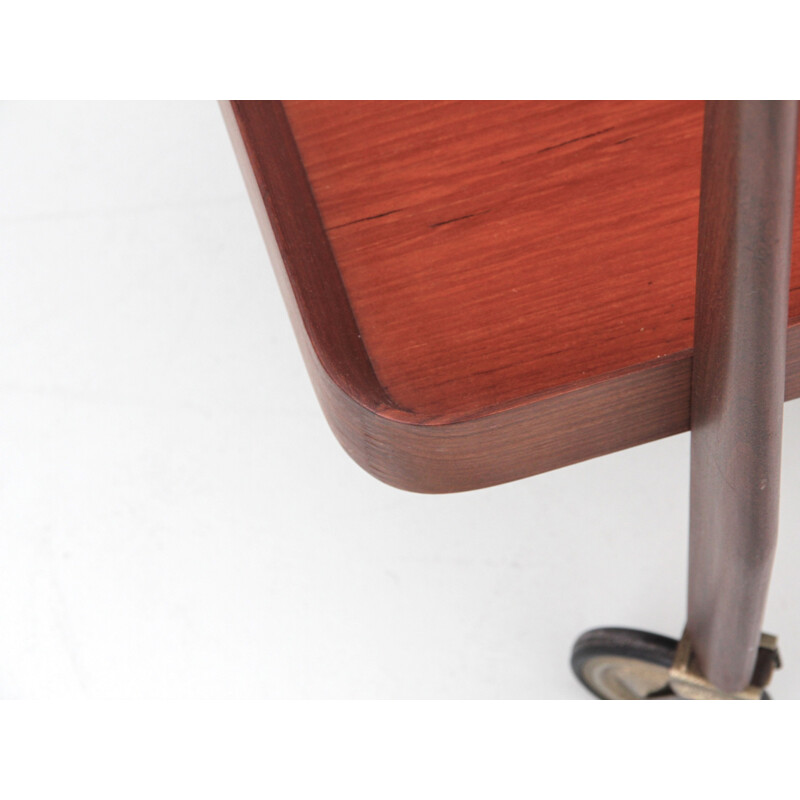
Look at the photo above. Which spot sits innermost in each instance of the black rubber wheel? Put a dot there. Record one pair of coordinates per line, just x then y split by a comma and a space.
625, 664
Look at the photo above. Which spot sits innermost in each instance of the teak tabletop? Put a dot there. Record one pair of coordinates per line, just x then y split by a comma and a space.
486, 290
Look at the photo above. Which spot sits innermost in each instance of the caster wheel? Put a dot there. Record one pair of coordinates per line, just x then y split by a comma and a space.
626, 664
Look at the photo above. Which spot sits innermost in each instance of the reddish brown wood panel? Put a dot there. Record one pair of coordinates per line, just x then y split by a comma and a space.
484, 291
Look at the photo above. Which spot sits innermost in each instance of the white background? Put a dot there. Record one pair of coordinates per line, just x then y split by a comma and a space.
177, 520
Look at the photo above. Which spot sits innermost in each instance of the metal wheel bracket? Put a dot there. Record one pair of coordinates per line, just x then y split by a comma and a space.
689, 683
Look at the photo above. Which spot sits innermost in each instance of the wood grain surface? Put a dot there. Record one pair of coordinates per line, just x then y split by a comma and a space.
484, 291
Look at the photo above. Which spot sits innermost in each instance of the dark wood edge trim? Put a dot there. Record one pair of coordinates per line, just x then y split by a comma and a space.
276, 180
570, 424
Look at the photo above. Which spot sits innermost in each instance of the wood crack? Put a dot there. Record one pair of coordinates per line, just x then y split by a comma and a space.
577, 139
365, 219
457, 219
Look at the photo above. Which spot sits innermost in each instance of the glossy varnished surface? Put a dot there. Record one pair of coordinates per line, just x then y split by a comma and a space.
494, 251
485, 291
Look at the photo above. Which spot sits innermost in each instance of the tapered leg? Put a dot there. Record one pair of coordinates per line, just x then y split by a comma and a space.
746, 203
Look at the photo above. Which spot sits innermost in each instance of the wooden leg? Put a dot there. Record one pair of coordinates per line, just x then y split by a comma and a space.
746, 203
